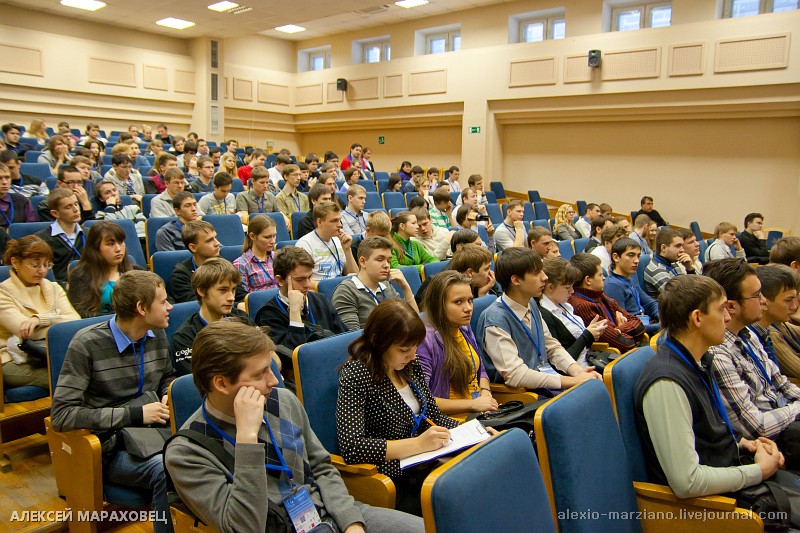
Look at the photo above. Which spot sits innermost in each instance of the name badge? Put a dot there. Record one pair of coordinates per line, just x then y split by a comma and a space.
645, 319
301, 510
547, 369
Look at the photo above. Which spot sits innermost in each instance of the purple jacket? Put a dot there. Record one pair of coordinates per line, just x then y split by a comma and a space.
431, 357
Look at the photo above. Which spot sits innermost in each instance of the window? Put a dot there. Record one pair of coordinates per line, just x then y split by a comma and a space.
372, 50
314, 59
746, 8
537, 26
443, 42
638, 16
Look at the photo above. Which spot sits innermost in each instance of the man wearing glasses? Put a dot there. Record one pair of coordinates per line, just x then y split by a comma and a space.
759, 399
69, 178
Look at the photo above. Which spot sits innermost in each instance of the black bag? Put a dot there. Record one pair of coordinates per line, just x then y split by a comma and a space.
513, 414
599, 360
278, 520
36, 350
776, 501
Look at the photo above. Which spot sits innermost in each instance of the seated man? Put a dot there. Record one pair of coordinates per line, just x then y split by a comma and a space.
257, 159
433, 238
598, 224
778, 336
623, 287
318, 193
14, 208
512, 231
753, 240
687, 440
666, 263
168, 236
175, 182
541, 241
289, 199
641, 224
724, 239
475, 262
276, 173
133, 395
787, 252
692, 249
200, 238
205, 176
647, 209
356, 297
64, 236
518, 346
442, 211
328, 244
468, 217
69, 178
352, 216
23, 184
220, 201
759, 399
624, 330
608, 237
257, 199
250, 418
214, 283
584, 224
378, 225
110, 207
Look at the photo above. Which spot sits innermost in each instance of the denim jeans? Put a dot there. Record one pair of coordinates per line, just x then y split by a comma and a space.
125, 469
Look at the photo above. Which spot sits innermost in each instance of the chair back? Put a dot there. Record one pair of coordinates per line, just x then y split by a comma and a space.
37, 170
58, 338
382, 176
342, 196
580, 245
164, 263
497, 188
327, 286
495, 214
542, 223
431, 269
229, 228
581, 204
644, 260
151, 227
479, 305
566, 250
373, 200
512, 494
282, 232
695, 227
284, 244
255, 300
316, 370
411, 273
231, 253
147, 202
133, 246
583, 461
394, 200
410, 195
533, 196
369, 185
773, 236
180, 313
297, 216
237, 186
23, 229
541, 210
382, 185
620, 378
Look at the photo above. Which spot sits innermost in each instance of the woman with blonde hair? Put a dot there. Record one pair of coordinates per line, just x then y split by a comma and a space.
37, 131
227, 163
563, 228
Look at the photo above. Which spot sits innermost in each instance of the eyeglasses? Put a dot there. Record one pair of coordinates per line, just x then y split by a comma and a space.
72, 183
37, 265
754, 297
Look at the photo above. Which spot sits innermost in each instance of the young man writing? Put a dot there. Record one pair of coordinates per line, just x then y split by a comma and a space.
666, 262
433, 238
220, 201
161, 205
214, 283
257, 423
133, 394
753, 239
64, 236
687, 439
622, 286
205, 176
356, 297
289, 199
512, 231
352, 218
257, 199
328, 244
168, 236
518, 346
624, 330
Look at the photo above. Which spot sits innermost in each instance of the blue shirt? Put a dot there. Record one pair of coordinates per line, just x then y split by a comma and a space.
120, 339
622, 290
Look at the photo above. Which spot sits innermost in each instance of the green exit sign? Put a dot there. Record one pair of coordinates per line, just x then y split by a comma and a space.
381, 140
474, 129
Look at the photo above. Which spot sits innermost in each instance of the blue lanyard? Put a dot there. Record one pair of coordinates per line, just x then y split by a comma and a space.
140, 364
334, 252
72, 246
9, 220
423, 413
203, 320
296, 199
266, 273
471, 358
751, 352
510, 230
668, 266
194, 266
526, 328
260, 203
601, 303
310, 314
766, 343
129, 185
375, 296
569, 316
408, 249
358, 218
712, 389
282, 468
629, 284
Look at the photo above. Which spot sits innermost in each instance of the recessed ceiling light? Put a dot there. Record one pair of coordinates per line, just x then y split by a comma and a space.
222, 6
88, 5
177, 24
290, 28
411, 3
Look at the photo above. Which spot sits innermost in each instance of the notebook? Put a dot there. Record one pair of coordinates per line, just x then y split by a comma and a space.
463, 436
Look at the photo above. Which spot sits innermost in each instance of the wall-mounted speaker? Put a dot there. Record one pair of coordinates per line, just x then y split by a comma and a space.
341, 84
594, 58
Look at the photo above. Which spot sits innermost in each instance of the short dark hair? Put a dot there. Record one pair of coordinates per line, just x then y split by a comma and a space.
536, 233
622, 245
470, 256
730, 273
212, 271
751, 217
120, 159
311, 157
132, 288
598, 223
289, 258
681, 296
775, 279
55, 197
370, 244
63, 169
461, 214
191, 231
317, 191
178, 199
516, 262
222, 179
463, 236
590, 206
665, 237
786, 251
10, 126
440, 196
8, 155
587, 264
645, 199
417, 170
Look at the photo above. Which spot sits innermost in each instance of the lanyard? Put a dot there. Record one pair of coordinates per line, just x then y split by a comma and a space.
408, 249
296, 199
766, 342
526, 328
334, 252
140, 364
280, 304
601, 303
271, 280
203, 320
471, 358
10, 219
375, 296
72, 246
129, 185
668, 266
423, 413
629, 284
282, 468
511, 230
358, 218
712, 389
260, 203
569, 316
751, 352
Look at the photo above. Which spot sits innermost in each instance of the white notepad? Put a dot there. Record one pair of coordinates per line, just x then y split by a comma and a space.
463, 436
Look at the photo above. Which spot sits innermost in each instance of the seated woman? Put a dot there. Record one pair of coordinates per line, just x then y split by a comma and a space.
29, 305
56, 154
385, 411
110, 207
564, 230
351, 177
449, 354
103, 261
255, 263
564, 325
406, 252
395, 183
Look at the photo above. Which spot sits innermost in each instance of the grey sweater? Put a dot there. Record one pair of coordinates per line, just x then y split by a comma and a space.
354, 303
200, 478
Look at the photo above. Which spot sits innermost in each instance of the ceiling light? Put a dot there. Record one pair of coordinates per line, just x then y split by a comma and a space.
411, 3
177, 24
222, 6
88, 5
290, 28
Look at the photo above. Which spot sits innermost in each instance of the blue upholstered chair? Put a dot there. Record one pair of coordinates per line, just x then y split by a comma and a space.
566, 249
411, 273
179, 314
533, 196
327, 286
580, 244
495, 214
497, 188
284, 244
229, 229
373, 200
512, 496
644, 260
23, 229
581, 205
297, 216
151, 227
164, 263
254, 301
394, 200
541, 210
431, 269
133, 246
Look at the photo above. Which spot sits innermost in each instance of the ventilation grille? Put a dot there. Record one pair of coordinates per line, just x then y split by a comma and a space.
755, 53
374, 10
686, 59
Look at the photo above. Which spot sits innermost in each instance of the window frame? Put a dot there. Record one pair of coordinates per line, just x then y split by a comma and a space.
449, 38
384, 53
548, 22
306, 58
764, 7
645, 12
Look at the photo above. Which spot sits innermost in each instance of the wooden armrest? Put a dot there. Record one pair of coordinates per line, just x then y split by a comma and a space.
499, 387
600, 346
661, 492
361, 469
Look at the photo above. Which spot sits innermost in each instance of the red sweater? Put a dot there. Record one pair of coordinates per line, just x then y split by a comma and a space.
588, 303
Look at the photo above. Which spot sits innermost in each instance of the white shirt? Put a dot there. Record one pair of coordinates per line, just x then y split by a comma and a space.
565, 313
329, 258
605, 257
583, 226
274, 176
410, 398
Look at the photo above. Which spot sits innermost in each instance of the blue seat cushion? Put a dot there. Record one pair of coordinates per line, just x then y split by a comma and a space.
25, 394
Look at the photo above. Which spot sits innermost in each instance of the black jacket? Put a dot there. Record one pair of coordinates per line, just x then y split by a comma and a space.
277, 318
181, 283
183, 339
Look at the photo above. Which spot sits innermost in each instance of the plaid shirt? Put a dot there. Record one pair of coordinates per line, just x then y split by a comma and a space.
253, 273
606, 308
759, 408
